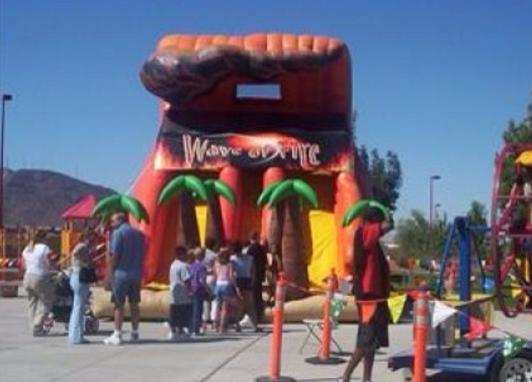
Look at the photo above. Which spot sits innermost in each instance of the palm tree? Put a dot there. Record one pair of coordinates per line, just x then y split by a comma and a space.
286, 199
214, 187
185, 187
120, 203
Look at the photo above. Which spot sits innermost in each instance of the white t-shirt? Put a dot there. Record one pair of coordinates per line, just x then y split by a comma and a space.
36, 259
178, 276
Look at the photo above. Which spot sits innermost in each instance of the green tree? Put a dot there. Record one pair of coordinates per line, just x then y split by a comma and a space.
477, 213
385, 175
417, 239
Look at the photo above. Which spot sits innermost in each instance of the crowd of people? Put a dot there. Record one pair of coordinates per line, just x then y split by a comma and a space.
217, 286
211, 288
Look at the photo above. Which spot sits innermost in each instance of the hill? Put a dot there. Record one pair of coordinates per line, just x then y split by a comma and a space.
38, 197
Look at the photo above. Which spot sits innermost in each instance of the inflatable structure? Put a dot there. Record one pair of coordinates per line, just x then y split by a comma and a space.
245, 116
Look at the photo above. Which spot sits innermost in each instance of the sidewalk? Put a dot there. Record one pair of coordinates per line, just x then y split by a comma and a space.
232, 358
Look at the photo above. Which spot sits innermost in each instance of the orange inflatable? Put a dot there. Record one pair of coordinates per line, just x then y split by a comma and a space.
251, 111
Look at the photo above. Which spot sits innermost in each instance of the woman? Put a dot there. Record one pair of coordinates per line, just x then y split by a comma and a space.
225, 288
371, 281
37, 281
81, 258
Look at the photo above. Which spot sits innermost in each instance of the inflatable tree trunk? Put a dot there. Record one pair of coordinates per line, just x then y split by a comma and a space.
292, 249
187, 224
215, 227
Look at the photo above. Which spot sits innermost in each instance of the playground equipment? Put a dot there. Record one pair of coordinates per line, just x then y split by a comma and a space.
482, 356
250, 112
511, 235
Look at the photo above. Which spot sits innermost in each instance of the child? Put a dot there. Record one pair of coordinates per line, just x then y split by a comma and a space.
198, 276
225, 288
180, 295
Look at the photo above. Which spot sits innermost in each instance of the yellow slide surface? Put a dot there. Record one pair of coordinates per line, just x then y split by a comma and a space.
324, 247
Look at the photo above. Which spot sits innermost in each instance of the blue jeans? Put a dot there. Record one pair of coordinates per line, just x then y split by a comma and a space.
76, 324
197, 311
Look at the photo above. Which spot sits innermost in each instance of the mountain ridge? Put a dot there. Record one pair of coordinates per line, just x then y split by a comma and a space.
38, 197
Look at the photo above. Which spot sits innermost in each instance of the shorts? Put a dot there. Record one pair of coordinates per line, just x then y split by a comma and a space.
244, 283
125, 288
374, 334
180, 315
223, 292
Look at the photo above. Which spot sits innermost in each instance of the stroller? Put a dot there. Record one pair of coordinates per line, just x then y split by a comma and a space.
62, 307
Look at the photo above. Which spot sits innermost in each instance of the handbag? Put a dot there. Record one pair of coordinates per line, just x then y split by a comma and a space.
87, 275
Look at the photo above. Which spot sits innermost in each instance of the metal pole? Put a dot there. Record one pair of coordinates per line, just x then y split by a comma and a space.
5, 97
431, 199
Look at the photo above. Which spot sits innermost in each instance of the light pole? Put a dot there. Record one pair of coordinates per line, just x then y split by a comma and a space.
5, 98
436, 214
431, 197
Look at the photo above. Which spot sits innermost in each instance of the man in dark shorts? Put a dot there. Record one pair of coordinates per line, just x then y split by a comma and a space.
128, 248
371, 281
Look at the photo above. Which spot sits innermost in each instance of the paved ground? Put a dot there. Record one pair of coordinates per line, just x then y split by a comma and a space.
233, 358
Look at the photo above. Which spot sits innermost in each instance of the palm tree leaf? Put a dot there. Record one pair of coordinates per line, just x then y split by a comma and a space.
173, 187
284, 190
354, 211
264, 197
381, 207
306, 192
194, 184
106, 204
134, 207
221, 188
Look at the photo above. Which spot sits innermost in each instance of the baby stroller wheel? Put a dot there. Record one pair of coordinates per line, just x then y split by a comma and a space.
48, 324
92, 325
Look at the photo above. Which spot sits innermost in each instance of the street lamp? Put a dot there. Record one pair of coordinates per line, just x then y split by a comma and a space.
5, 98
436, 214
431, 197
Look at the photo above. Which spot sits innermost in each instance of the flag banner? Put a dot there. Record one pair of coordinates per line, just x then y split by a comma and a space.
367, 310
338, 304
477, 328
516, 292
512, 346
396, 305
441, 312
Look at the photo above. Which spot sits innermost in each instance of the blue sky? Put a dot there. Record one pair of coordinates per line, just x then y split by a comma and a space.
434, 81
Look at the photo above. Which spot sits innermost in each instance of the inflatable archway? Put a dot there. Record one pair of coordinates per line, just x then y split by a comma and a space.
250, 111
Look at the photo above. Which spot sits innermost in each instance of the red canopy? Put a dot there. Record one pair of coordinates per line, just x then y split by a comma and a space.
81, 209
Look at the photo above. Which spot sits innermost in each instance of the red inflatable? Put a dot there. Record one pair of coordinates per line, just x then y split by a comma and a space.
252, 111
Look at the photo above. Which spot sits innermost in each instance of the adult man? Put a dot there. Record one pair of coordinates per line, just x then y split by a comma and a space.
258, 253
127, 250
371, 281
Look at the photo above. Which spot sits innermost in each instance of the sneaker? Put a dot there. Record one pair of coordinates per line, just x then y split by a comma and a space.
134, 336
172, 336
113, 339
245, 322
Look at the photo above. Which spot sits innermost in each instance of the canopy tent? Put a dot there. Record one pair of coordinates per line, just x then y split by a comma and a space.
81, 209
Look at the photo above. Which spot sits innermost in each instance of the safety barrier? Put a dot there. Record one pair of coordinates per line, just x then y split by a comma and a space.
421, 313
324, 355
277, 336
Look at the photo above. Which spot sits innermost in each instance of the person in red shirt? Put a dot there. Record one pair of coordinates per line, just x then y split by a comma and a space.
371, 281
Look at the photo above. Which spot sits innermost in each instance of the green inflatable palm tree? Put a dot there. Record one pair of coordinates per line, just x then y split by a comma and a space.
215, 188
120, 203
184, 188
286, 199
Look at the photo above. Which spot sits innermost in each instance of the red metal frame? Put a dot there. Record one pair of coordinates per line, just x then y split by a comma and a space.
505, 261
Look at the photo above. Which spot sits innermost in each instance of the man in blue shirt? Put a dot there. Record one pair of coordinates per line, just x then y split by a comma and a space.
128, 248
